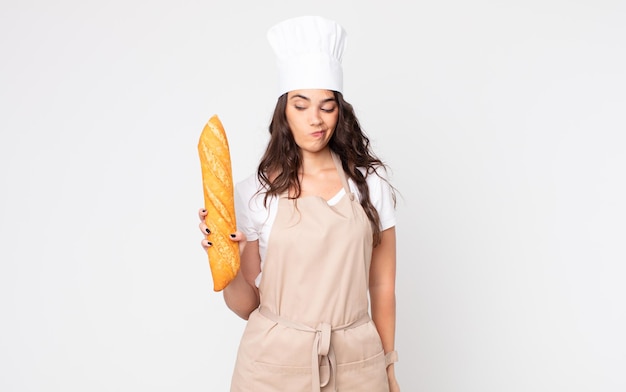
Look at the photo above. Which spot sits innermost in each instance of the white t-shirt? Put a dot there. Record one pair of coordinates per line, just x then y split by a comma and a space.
255, 220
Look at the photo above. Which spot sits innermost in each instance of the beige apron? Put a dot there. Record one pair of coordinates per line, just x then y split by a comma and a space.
312, 331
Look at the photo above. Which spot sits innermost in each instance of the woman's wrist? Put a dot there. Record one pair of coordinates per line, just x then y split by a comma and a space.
390, 358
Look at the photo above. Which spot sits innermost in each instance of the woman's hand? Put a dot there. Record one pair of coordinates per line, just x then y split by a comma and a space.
391, 377
241, 294
206, 243
202, 213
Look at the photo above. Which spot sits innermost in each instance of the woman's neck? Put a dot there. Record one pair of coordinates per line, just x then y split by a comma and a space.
314, 163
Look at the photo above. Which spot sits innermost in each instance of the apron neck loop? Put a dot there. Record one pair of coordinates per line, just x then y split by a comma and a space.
342, 174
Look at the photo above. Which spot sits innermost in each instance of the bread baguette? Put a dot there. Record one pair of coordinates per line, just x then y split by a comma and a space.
219, 202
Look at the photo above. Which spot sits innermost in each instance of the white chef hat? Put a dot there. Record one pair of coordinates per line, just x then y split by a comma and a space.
308, 53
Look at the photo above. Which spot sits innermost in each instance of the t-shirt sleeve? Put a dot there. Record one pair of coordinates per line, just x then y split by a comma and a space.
381, 195
245, 192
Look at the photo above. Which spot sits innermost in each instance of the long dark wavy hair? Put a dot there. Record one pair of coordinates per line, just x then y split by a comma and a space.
278, 168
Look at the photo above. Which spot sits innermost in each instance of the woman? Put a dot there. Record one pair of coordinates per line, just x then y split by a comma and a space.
320, 192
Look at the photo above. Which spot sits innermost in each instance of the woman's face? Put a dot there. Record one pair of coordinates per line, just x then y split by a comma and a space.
312, 116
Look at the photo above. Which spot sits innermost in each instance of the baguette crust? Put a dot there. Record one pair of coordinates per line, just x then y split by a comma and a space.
219, 202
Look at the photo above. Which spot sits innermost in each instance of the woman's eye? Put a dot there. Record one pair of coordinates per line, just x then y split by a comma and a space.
328, 110
299, 107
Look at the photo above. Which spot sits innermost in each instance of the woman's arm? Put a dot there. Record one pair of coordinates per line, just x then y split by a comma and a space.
383, 295
241, 295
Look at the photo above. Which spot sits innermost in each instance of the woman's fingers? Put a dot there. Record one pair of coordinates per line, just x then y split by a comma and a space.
206, 244
204, 229
240, 238
237, 236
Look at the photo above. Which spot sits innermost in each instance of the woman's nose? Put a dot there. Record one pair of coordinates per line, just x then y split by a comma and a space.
315, 119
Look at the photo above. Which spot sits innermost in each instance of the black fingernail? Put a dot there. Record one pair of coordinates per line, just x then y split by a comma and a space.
208, 231
209, 243
232, 236
203, 210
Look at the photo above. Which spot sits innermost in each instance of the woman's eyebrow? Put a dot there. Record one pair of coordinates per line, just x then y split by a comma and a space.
300, 96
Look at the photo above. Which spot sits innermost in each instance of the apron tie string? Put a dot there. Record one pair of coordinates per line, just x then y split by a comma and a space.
321, 354
323, 360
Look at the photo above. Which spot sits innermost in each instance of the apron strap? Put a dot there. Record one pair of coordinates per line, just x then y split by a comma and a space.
342, 175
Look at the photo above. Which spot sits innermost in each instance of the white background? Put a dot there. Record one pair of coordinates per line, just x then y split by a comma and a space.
503, 123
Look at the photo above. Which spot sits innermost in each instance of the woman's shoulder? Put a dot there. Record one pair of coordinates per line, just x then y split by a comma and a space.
376, 176
250, 191
377, 180
382, 195
249, 184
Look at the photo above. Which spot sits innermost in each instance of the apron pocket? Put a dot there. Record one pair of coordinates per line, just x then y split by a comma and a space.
270, 377
369, 374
